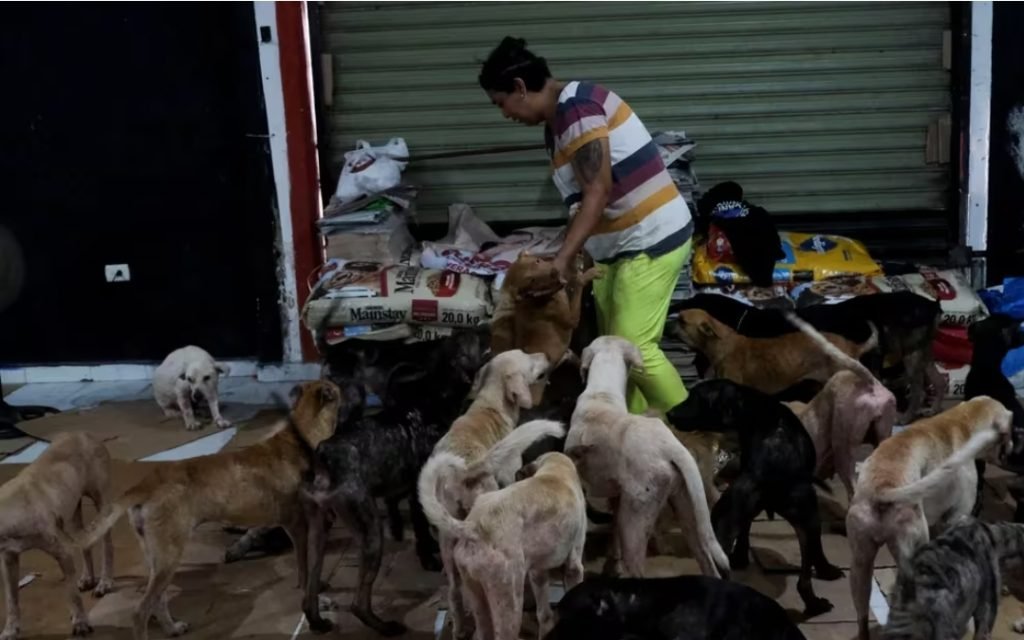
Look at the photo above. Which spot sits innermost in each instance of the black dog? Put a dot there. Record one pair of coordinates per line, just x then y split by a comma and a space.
690, 607
777, 461
992, 338
750, 230
380, 456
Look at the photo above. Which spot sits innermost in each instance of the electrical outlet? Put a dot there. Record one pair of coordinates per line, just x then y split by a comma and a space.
117, 273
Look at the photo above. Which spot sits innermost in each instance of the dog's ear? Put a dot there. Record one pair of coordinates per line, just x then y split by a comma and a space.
517, 391
586, 359
478, 381
706, 329
222, 368
578, 453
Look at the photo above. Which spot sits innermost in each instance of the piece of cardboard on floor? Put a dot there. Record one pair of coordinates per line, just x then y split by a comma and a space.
261, 426
130, 430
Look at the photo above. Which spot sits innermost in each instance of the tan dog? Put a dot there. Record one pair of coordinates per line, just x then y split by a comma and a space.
852, 408
489, 448
38, 503
537, 310
255, 486
918, 479
523, 530
636, 462
770, 365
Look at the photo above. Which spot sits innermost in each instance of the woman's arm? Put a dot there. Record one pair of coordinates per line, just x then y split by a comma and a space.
593, 169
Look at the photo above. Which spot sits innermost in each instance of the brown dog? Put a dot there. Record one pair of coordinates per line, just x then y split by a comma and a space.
916, 480
770, 365
35, 507
537, 310
524, 530
852, 408
255, 486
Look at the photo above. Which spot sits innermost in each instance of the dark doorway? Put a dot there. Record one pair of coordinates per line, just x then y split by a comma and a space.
136, 134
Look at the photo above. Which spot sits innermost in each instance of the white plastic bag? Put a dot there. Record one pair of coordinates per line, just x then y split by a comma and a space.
369, 170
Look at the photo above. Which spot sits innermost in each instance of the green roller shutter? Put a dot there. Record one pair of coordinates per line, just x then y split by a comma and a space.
815, 108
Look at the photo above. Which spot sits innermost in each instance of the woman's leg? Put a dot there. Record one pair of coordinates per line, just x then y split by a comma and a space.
636, 308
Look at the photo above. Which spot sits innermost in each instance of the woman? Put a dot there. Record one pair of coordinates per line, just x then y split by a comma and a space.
624, 208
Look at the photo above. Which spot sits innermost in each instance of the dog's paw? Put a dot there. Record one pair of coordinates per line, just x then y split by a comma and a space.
324, 603
179, 629
193, 425
1017, 626
80, 627
223, 423
828, 572
817, 606
392, 628
87, 582
103, 587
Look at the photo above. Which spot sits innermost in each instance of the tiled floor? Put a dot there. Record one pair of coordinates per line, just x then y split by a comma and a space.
257, 598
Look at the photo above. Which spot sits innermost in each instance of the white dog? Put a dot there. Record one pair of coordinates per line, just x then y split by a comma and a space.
185, 377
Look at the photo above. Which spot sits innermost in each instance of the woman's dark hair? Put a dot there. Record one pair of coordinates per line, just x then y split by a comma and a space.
510, 60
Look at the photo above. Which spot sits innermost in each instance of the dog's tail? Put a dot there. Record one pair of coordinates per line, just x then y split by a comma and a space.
832, 351
694, 486
919, 489
103, 522
442, 465
505, 457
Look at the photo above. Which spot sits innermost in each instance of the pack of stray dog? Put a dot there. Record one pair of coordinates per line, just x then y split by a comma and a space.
512, 445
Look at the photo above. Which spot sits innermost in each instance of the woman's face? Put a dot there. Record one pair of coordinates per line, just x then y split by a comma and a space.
520, 105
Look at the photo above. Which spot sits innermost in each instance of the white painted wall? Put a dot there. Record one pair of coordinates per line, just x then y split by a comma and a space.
975, 217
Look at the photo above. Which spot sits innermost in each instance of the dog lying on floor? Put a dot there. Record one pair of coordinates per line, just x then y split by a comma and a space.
257, 485
992, 338
38, 503
636, 462
381, 456
486, 439
955, 578
918, 480
852, 407
770, 365
690, 607
185, 377
777, 462
522, 531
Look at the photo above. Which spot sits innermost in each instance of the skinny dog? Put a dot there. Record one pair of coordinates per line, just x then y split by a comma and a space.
919, 479
636, 462
35, 507
851, 408
257, 485
486, 441
523, 530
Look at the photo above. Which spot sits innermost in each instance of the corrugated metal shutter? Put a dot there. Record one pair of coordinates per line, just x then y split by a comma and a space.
815, 108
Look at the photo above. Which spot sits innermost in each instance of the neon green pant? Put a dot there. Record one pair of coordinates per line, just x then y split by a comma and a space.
632, 302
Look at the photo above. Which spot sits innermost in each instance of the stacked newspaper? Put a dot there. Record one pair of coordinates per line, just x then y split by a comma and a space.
371, 229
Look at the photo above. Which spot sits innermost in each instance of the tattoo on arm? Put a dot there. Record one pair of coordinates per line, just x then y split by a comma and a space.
588, 161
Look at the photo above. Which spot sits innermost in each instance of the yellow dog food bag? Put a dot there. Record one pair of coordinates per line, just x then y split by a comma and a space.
808, 257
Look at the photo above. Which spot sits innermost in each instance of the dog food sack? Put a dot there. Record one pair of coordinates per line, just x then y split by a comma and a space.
369, 293
954, 375
960, 304
404, 332
807, 257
